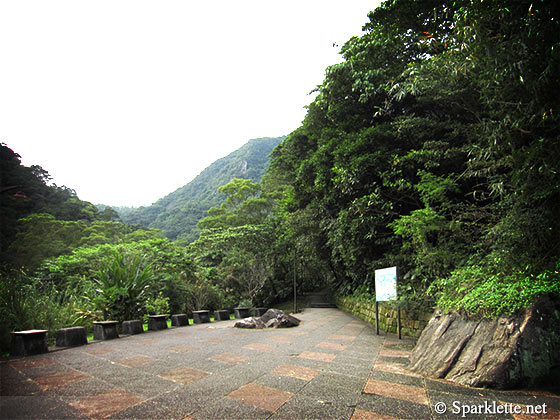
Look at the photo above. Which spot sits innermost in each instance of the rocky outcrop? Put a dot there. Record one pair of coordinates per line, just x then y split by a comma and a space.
273, 318
508, 352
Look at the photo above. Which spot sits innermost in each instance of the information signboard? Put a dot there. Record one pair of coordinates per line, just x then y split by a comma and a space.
386, 284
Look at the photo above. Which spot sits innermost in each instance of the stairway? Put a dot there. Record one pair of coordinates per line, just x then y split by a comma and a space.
321, 299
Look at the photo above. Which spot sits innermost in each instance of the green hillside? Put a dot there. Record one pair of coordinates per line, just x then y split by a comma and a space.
177, 213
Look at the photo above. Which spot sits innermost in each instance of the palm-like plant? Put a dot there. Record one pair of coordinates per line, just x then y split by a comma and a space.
122, 287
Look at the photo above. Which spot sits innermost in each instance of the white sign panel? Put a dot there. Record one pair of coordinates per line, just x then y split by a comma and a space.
386, 284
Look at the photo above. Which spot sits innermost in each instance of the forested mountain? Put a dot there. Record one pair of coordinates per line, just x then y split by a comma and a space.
177, 213
26, 190
40, 220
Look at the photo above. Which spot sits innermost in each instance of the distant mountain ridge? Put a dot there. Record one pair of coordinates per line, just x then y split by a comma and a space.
177, 213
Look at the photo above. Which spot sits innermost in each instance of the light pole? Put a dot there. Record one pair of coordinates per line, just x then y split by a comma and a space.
295, 284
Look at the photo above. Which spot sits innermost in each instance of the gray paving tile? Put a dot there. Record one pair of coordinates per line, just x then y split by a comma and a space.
183, 401
399, 409
305, 408
451, 388
36, 407
284, 383
334, 388
230, 409
396, 378
334, 391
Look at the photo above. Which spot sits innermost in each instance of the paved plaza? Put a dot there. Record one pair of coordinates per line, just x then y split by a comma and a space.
333, 366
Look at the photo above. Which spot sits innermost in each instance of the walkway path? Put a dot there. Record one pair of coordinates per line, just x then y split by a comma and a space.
332, 366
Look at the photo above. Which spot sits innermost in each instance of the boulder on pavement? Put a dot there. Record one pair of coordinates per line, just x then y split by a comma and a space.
273, 318
279, 319
250, 322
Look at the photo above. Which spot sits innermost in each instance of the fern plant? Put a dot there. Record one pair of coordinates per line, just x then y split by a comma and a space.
122, 287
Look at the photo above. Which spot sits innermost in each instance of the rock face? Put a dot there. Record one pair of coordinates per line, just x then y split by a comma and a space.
508, 352
273, 318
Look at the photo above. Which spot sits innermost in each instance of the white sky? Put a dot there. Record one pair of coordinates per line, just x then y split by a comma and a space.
126, 101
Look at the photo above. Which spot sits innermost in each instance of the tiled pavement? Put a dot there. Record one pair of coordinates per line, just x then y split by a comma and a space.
330, 367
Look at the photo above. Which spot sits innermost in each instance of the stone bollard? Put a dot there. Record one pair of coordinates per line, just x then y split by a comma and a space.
201, 317
132, 327
71, 337
221, 315
157, 322
242, 312
29, 342
179, 320
105, 330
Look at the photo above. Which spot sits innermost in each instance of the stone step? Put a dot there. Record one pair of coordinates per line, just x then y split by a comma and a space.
321, 305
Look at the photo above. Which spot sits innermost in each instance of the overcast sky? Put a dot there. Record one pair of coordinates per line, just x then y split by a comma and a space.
126, 101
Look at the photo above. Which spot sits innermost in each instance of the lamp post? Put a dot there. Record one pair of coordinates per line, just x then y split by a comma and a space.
295, 284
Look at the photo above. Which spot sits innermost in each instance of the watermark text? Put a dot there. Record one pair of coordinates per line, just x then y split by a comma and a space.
488, 407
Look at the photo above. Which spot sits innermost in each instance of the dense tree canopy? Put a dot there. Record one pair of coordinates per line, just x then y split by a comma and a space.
434, 145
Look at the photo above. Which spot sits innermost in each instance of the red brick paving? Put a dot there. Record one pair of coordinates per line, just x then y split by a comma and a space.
148, 341
392, 390
259, 347
393, 368
296, 332
331, 346
322, 357
34, 362
59, 379
393, 353
133, 361
183, 349
368, 415
260, 396
342, 337
185, 375
229, 358
281, 339
105, 404
299, 372
215, 340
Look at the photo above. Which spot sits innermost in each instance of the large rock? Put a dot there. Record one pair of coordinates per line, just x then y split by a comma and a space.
273, 318
250, 322
508, 352
279, 319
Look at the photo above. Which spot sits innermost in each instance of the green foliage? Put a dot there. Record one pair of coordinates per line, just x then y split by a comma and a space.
243, 255
42, 236
432, 146
244, 204
203, 294
484, 290
123, 287
158, 305
27, 303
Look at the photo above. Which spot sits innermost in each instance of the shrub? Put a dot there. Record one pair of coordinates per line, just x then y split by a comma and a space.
26, 304
122, 287
485, 290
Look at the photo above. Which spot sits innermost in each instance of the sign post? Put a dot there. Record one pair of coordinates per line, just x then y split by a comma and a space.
385, 290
